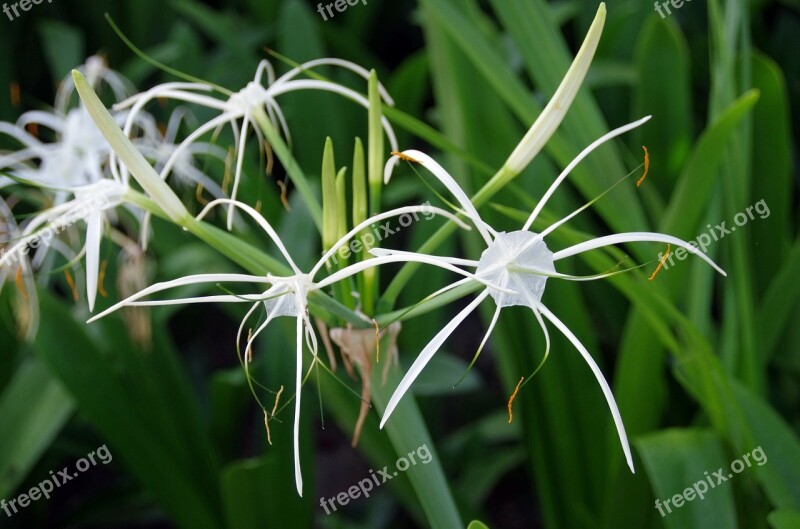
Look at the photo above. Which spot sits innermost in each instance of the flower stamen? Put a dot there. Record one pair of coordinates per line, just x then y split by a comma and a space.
661, 263
511, 400
405, 157
21, 285
646, 166
16, 100
101, 278
71, 283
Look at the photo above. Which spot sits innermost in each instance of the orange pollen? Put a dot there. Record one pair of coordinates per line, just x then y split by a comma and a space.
646, 166
270, 158
405, 157
198, 194
277, 400
661, 263
21, 285
16, 100
511, 400
71, 283
101, 278
249, 351
284, 200
266, 424
33, 128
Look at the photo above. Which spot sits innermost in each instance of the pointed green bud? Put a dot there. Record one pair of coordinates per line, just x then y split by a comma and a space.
553, 114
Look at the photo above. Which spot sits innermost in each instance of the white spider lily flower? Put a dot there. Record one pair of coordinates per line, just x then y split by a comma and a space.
77, 157
92, 204
246, 103
520, 261
288, 295
95, 70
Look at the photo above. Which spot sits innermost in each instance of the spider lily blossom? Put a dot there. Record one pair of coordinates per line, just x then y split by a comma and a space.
73, 173
288, 295
247, 104
520, 261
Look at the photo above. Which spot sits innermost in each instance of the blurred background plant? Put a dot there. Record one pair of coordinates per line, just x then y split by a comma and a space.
704, 369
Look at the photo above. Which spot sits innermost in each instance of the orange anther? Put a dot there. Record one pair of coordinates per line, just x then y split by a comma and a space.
661, 263
646, 166
405, 157
511, 400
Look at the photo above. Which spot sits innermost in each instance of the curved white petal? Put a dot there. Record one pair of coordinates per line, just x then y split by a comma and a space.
360, 70
410, 257
266, 226
94, 234
188, 280
449, 182
426, 355
639, 236
455, 261
379, 217
612, 404
298, 476
326, 86
568, 169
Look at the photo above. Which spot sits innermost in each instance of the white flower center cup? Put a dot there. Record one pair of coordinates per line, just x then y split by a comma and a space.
512, 262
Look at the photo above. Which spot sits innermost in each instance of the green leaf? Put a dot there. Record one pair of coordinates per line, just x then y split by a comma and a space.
475, 524
254, 500
781, 446
784, 519
121, 407
35, 407
63, 47
676, 461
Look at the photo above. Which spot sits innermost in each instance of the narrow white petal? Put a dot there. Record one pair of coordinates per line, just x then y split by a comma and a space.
553, 114
298, 476
612, 404
455, 261
450, 183
409, 257
567, 170
426, 355
379, 217
291, 86
244, 298
266, 226
360, 70
188, 280
238, 174
94, 233
634, 237
191, 138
